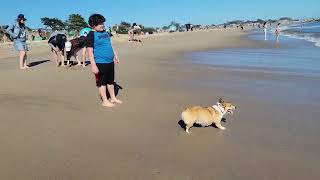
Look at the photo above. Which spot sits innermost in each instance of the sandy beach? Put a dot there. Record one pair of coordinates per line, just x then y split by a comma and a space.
53, 126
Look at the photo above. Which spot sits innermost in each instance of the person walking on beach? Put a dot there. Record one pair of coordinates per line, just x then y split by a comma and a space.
137, 32
131, 33
117, 29
278, 31
134, 33
265, 29
102, 58
18, 33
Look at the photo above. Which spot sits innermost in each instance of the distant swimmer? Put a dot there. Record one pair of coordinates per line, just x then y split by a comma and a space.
265, 29
278, 31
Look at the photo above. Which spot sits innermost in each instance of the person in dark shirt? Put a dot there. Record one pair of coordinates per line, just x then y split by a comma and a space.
57, 42
102, 58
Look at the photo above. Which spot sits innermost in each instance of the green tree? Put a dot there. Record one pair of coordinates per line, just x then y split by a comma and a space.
234, 22
124, 27
165, 27
286, 18
76, 22
53, 23
150, 30
260, 21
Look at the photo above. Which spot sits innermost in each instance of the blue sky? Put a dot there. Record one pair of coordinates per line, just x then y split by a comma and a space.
160, 12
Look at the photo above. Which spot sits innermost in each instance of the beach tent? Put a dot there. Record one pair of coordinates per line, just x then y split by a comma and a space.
172, 28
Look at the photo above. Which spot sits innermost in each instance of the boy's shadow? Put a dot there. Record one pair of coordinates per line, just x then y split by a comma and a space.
36, 63
117, 88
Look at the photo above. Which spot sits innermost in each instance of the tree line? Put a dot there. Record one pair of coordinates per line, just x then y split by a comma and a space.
76, 22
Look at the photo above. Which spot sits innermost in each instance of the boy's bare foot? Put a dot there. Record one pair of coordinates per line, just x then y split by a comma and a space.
108, 104
23, 68
26, 67
116, 101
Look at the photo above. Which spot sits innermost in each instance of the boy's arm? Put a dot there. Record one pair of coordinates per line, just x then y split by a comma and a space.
94, 67
90, 46
116, 58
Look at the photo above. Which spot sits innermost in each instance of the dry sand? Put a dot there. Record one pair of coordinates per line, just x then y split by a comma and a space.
53, 127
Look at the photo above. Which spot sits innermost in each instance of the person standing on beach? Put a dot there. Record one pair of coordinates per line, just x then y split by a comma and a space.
137, 32
278, 31
18, 33
265, 29
102, 58
134, 33
131, 33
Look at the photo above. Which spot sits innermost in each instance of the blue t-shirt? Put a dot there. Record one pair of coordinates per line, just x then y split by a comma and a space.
102, 48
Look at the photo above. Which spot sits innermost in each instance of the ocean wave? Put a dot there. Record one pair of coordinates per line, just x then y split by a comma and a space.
308, 32
313, 39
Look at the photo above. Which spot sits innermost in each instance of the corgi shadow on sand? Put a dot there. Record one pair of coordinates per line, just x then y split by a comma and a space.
183, 125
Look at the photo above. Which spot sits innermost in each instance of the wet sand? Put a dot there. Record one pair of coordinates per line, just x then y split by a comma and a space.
53, 126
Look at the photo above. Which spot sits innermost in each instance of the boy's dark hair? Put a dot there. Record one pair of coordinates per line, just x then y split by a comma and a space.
96, 19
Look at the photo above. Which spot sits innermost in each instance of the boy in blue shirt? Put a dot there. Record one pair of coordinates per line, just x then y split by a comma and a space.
102, 58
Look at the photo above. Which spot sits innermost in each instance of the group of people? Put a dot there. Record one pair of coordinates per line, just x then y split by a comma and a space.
41, 34
134, 33
94, 41
277, 31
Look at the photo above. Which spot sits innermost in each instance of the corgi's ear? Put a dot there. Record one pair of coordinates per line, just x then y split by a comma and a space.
221, 101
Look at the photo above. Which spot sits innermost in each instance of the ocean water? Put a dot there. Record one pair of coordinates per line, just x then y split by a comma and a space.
290, 68
289, 56
308, 31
